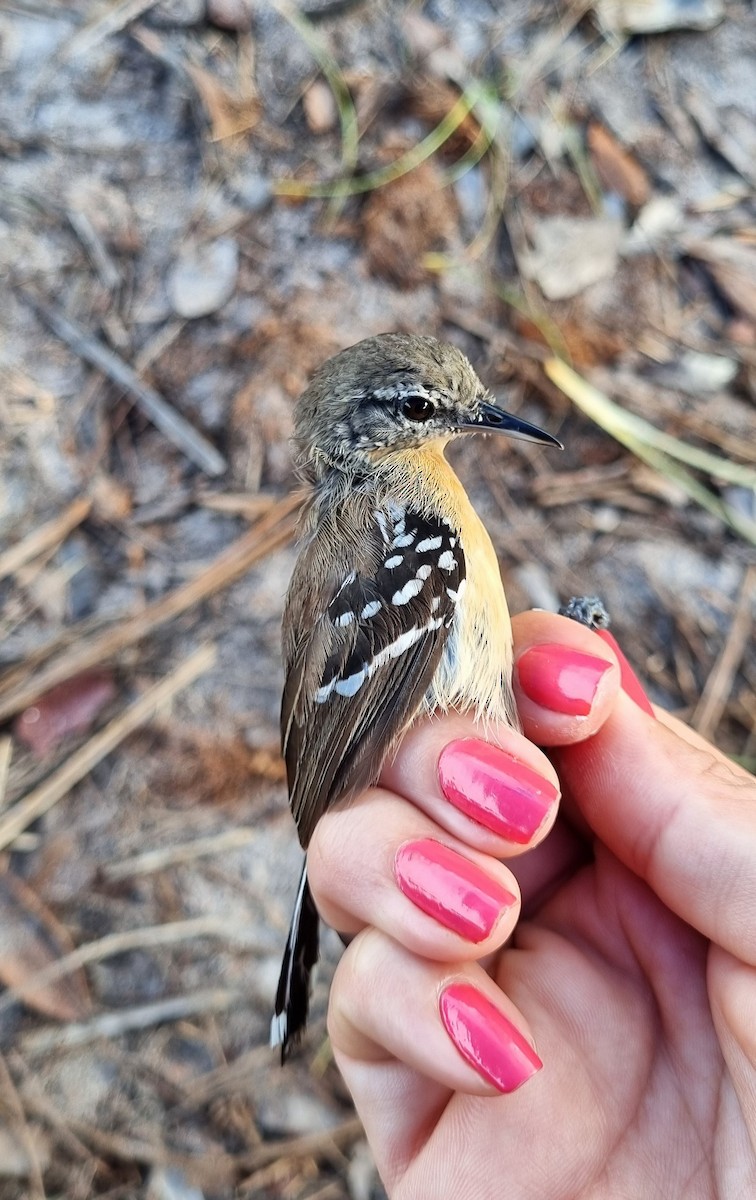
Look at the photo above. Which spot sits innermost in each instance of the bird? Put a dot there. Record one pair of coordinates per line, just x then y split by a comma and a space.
396, 606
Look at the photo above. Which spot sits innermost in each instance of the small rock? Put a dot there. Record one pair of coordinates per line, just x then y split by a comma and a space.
170, 14
235, 15
657, 16
169, 1183
204, 278
658, 220
254, 192
695, 372
570, 253
321, 113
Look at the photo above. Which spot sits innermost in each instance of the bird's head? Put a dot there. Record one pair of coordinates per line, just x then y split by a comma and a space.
392, 392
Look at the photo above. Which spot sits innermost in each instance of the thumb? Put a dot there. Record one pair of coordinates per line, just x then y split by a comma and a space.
677, 813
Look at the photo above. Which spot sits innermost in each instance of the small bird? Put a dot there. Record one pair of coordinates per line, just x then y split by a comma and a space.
396, 606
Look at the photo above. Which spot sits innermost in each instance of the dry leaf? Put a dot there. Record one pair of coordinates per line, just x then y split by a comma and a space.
67, 709
229, 114
208, 770
617, 169
571, 253
404, 221
32, 939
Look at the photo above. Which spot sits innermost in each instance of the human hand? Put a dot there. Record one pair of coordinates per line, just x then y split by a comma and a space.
629, 961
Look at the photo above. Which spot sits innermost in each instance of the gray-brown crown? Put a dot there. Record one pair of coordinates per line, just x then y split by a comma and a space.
390, 392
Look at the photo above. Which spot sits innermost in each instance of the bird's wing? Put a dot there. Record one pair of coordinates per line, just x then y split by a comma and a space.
361, 653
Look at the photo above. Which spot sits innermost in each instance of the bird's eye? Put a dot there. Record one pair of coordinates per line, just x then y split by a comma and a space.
418, 408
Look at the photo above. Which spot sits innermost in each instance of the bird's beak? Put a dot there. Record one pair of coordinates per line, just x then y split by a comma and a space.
490, 419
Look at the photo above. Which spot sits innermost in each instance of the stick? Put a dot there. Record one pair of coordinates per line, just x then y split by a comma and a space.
157, 860
115, 1024
6, 752
119, 943
175, 427
44, 538
305, 1146
716, 692
17, 690
42, 798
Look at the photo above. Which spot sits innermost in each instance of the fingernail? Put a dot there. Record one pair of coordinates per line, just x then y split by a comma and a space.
495, 789
484, 1036
561, 679
631, 684
450, 888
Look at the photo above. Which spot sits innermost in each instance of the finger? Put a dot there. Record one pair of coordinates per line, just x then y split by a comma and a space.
497, 793
678, 813
450, 1024
566, 678
382, 863
732, 986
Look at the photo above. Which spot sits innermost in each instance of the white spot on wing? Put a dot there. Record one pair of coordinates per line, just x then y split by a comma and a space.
411, 588
447, 561
427, 544
423, 572
396, 560
324, 692
370, 610
345, 619
352, 685
395, 649
405, 539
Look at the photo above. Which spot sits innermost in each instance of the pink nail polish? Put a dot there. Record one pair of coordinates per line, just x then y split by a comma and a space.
631, 684
495, 789
561, 679
450, 888
486, 1038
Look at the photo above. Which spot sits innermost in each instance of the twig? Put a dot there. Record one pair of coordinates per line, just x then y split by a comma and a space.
236, 504
6, 750
42, 798
115, 1024
306, 1146
119, 943
210, 1171
17, 690
716, 693
15, 1109
157, 860
175, 427
44, 538
95, 248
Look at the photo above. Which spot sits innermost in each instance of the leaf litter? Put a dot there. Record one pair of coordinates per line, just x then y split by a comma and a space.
248, 188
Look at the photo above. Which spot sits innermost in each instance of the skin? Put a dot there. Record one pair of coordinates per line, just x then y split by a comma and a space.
631, 965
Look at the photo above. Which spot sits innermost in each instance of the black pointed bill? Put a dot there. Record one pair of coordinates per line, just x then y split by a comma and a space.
491, 419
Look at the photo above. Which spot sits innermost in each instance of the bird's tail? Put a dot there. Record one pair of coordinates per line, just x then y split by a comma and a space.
300, 956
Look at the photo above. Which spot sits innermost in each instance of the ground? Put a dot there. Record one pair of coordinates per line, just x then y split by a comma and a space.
542, 184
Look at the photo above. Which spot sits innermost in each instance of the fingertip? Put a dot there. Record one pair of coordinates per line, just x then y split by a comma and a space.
566, 678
